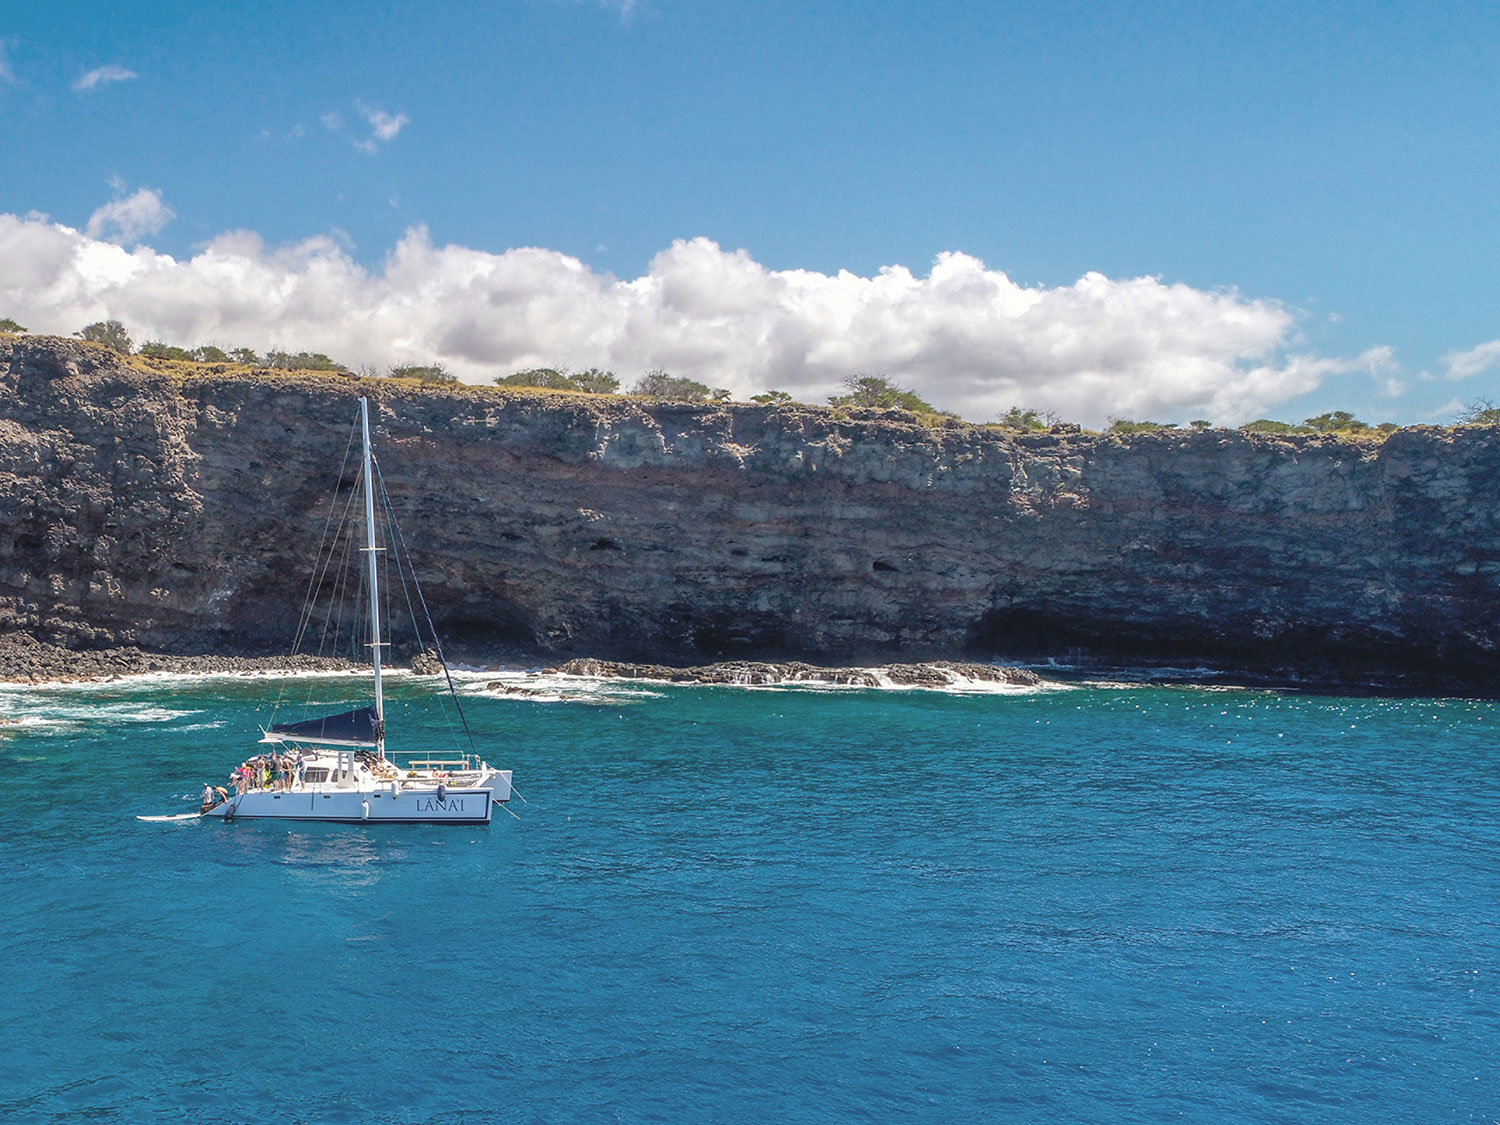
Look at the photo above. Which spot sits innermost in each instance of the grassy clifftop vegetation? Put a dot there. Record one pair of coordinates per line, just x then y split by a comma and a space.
862, 391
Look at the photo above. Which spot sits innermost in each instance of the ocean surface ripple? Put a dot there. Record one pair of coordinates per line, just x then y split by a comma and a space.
1109, 903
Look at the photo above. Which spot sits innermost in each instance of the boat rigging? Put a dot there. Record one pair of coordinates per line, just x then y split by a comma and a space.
336, 767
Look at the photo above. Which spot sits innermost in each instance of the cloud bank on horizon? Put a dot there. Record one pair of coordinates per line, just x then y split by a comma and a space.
966, 337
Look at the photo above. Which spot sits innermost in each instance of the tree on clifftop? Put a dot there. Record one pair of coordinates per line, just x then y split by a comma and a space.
596, 382
8, 325
878, 391
431, 373
1028, 421
659, 384
1336, 421
593, 381
110, 333
1130, 426
1480, 412
158, 350
1272, 426
548, 378
302, 361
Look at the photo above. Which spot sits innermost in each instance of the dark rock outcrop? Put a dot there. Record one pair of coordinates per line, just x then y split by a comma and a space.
24, 659
179, 514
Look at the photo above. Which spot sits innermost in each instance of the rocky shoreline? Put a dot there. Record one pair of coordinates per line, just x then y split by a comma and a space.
755, 673
25, 660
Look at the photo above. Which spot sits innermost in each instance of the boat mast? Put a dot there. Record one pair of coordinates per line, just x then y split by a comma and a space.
370, 550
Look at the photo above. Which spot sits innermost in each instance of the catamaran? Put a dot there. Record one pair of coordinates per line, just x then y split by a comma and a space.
336, 767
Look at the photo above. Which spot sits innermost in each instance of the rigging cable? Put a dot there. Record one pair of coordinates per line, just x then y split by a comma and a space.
318, 573
337, 597
399, 541
402, 569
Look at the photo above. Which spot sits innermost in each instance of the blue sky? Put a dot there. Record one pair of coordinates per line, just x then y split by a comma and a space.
1331, 168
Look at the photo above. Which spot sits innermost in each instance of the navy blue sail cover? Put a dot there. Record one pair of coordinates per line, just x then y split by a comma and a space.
349, 726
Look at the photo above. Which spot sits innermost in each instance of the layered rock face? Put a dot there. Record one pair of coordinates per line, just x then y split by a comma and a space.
183, 514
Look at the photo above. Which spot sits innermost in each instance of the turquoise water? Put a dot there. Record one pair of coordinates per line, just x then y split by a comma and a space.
1097, 904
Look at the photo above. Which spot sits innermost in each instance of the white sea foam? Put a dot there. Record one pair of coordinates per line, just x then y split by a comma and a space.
114, 683
566, 687
67, 706
551, 687
26, 722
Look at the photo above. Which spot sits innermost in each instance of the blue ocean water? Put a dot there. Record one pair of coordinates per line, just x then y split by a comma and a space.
1097, 904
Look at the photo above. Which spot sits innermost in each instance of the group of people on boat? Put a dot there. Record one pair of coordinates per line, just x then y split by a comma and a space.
276, 771
269, 771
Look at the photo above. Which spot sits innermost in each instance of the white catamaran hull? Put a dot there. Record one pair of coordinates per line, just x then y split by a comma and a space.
458, 806
349, 806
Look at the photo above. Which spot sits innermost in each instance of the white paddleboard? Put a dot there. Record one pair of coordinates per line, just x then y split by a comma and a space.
179, 816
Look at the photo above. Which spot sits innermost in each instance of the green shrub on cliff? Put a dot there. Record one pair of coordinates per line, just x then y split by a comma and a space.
429, 373
773, 398
1336, 422
208, 353
8, 325
1127, 426
593, 381
676, 388
110, 333
157, 350
878, 391
1271, 426
1480, 412
1026, 421
302, 361
549, 378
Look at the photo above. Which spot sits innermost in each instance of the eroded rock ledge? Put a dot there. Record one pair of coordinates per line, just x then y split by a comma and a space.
25, 660
937, 673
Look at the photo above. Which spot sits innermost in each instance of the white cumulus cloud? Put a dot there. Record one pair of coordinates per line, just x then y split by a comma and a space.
964, 336
131, 218
103, 76
1475, 361
383, 127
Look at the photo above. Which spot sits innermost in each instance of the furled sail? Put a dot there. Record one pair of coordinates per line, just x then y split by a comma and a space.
348, 728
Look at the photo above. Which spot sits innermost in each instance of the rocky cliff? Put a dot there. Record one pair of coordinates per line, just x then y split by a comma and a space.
179, 512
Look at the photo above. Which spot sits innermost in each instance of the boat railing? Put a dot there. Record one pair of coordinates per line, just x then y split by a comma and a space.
439, 764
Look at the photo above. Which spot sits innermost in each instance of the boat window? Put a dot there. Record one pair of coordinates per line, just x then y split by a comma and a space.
317, 775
